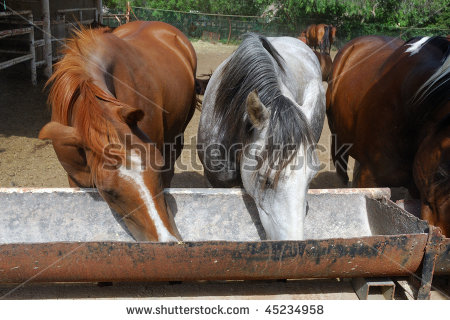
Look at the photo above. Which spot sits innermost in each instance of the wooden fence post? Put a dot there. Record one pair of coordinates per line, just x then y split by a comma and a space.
47, 38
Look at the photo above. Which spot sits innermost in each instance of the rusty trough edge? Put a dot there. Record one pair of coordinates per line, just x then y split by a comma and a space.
442, 266
213, 260
432, 249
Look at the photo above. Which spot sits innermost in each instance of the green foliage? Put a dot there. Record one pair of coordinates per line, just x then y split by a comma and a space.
352, 17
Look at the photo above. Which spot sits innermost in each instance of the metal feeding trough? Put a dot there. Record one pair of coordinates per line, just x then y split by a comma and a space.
70, 235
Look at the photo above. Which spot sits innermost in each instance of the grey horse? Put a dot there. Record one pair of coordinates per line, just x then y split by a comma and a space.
262, 115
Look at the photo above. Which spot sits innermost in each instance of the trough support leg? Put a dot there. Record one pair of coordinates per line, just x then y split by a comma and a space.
428, 264
364, 288
406, 289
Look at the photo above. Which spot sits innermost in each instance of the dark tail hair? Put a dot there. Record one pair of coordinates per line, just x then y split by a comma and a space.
325, 40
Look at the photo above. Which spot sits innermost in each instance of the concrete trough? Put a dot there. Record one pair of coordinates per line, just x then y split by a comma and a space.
70, 235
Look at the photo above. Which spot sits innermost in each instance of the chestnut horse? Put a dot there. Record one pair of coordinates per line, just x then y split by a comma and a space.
115, 114
389, 100
262, 115
318, 36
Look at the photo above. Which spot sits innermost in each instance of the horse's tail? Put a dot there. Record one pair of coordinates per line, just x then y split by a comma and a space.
325, 40
331, 36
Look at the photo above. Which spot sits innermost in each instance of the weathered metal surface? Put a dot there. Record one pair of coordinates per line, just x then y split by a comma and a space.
123, 261
429, 262
404, 200
443, 259
68, 235
364, 288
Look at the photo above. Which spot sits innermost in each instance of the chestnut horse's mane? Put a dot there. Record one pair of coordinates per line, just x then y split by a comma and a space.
72, 81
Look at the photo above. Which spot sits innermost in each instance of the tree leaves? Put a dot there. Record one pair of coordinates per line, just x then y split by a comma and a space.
296, 13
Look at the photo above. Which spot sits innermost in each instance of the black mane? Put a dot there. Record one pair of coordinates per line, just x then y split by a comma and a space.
435, 91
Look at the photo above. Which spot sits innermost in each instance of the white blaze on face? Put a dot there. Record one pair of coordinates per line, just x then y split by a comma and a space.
416, 46
135, 176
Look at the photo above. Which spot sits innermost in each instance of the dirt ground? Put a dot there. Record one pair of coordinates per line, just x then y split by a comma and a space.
26, 161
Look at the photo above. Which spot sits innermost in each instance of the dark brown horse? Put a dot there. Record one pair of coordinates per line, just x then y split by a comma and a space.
318, 36
389, 101
326, 64
118, 99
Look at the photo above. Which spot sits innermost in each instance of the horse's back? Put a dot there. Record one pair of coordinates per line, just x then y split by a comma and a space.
363, 53
298, 56
381, 76
165, 62
355, 69
155, 33
304, 80
159, 42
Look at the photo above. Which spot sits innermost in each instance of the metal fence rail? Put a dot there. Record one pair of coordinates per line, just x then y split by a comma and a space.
20, 56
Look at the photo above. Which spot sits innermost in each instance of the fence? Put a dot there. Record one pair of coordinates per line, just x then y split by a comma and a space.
196, 25
226, 28
20, 49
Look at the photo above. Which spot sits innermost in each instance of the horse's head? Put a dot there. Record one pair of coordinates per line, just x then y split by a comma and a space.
277, 165
114, 155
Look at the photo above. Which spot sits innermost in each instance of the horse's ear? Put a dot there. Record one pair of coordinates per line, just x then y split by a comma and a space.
61, 134
131, 115
257, 111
